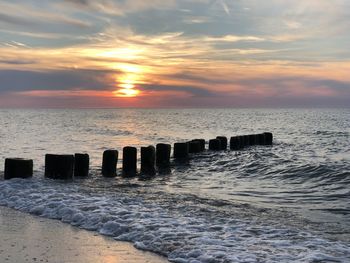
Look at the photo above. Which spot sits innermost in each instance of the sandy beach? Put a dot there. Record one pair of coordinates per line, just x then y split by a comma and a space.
26, 238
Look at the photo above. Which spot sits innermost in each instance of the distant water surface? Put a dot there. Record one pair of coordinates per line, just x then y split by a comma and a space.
285, 203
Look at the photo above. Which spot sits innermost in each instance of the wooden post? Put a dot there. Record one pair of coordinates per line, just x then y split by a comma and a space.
215, 145
235, 143
81, 165
129, 161
201, 142
268, 138
252, 139
194, 147
181, 150
260, 139
163, 152
148, 158
245, 140
109, 163
18, 168
241, 141
223, 142
59, 166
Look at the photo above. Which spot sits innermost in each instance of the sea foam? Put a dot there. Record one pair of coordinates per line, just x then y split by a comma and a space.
190, 233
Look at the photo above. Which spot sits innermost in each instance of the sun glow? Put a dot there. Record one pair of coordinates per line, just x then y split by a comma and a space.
127, 82
126, 53
129, 68
126, 93
127, 88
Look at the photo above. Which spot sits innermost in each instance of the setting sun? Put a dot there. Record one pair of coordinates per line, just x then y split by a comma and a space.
127, 93
127, 86
126, 82
126, 90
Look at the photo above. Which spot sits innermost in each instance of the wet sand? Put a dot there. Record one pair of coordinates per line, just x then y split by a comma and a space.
26, 238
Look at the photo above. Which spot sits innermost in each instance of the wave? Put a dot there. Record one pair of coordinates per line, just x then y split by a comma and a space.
333, 133
183, 229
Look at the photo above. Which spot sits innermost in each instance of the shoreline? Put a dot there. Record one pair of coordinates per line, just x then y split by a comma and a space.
28, 238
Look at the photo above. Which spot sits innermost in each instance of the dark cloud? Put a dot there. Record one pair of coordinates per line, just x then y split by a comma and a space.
193, 90
201, 79
18, 80
35, 21
83, 4
16, 62
10, 19
79, 2
280, 82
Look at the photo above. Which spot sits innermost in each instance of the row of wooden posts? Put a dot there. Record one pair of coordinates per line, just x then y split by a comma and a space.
67, 166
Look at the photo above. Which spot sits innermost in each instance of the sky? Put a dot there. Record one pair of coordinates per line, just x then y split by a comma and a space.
174, 53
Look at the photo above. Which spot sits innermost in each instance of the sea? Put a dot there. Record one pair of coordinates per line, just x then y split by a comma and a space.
289, 202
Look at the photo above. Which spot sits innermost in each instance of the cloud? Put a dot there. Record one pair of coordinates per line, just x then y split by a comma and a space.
19, 80
16, 62
292, 24
234, 38
78, 2
120, 8
202, 79
26, 23
225, 7
295, 87
191, 90
28, 16
10, 19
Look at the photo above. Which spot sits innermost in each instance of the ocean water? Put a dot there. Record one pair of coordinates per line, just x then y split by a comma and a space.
289, 202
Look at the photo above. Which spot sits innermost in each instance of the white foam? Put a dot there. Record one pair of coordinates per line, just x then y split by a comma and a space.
183, 235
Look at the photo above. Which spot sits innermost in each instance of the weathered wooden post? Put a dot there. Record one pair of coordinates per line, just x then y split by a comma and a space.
215, 145
223, 142
194, 147
18, 168
245, 140
241, 141
163, 152
81, 165
59, 166
181, 150
109, 163
148, 158
201, 142
260, 139
252, 139
129, 161
235, 143
268, 138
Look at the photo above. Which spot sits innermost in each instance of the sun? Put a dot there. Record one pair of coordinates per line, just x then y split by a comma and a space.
126, 90
126, 93
126, 83
127, 86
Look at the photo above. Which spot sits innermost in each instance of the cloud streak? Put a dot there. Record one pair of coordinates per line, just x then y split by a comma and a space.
15, 80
